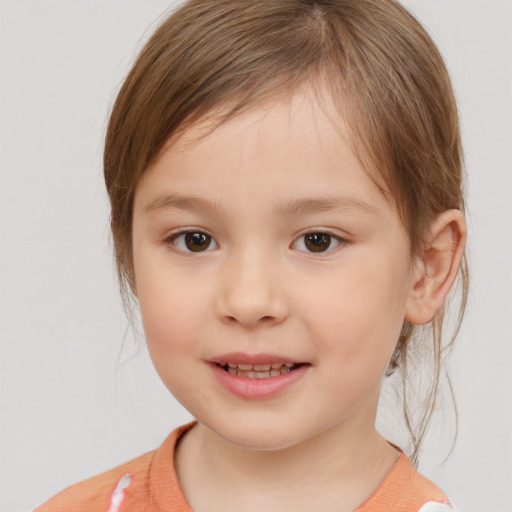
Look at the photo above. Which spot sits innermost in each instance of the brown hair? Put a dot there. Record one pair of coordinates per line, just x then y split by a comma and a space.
376, 62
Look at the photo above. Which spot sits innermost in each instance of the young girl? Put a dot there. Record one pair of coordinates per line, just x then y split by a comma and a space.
285, 183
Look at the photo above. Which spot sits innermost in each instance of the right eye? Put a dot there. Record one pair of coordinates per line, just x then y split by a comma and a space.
318, 242
193, 241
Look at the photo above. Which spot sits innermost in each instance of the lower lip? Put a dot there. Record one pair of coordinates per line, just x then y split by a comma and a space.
257, 388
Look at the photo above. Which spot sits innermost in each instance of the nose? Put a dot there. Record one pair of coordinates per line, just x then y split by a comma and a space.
252, 292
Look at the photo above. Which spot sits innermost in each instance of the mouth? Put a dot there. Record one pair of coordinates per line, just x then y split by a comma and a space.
257, 376
258, 371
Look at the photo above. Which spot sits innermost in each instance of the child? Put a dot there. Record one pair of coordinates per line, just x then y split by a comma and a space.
285, 182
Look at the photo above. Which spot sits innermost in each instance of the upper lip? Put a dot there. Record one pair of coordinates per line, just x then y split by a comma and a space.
254, 359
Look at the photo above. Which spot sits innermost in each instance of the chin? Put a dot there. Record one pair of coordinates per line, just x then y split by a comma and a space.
255, 436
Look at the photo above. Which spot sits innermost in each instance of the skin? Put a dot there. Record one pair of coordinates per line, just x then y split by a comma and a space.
257, 185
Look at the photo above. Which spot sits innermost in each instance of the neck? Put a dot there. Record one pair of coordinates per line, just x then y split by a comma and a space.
341, 466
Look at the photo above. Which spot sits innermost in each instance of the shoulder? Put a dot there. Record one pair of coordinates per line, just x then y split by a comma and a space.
145, 484
433, 506
406, 490
96, 494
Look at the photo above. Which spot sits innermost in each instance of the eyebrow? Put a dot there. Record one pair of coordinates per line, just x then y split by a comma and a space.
313, 205
284, 208
180, 202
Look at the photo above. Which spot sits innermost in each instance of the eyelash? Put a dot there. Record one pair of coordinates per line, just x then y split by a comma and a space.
172, 240
323, 233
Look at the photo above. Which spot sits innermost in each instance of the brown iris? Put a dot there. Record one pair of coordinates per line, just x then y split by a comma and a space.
317, 242
197, 242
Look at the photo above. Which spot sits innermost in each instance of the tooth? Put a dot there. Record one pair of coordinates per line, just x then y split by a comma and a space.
284, 370
262, 375
232, 371
275, 373
251, 375
245, 367
232, 365
261, 367
276, 365
289, 365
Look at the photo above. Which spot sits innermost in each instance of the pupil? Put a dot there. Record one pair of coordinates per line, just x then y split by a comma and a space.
318, 242
197, 242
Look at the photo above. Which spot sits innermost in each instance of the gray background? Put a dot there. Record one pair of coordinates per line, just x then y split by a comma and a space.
77, 396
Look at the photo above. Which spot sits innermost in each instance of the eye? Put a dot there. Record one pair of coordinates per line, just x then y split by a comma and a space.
317, 242
193, 241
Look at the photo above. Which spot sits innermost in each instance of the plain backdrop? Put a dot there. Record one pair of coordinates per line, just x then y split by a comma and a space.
77, 395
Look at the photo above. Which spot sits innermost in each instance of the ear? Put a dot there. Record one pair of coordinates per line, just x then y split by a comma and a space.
435, 271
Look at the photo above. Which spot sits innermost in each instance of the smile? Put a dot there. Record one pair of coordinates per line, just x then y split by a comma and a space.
258, 371
257, 377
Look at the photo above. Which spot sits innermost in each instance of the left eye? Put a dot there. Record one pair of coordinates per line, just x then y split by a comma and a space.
194, 241
317, 242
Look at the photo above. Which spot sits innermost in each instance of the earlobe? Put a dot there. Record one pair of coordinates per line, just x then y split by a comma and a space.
436, 270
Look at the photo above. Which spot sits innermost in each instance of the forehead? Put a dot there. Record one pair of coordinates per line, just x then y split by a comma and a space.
299, 142
308, 111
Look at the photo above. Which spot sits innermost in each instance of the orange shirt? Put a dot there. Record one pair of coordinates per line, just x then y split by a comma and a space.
149, 484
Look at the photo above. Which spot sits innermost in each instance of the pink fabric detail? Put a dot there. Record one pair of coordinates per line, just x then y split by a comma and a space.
118, 494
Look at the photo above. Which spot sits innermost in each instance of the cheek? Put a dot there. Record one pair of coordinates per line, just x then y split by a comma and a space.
172, 326
358, 317
170, 307
168, 314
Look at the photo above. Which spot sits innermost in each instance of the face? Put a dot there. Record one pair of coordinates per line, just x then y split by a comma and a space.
272, 276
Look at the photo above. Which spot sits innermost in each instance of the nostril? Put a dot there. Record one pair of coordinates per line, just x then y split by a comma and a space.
251, 309
250, 322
